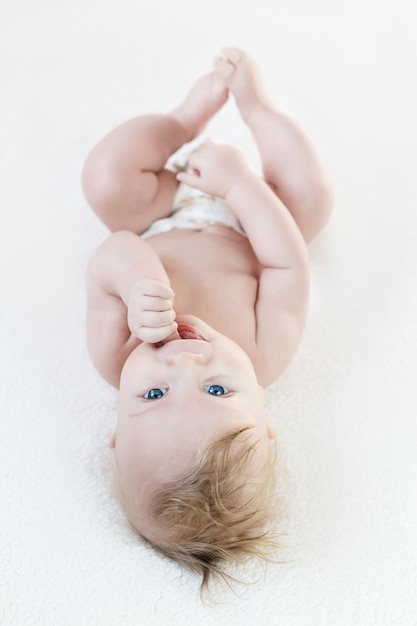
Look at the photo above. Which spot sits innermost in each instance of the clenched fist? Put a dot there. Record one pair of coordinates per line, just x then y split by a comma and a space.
150, 313
214, 169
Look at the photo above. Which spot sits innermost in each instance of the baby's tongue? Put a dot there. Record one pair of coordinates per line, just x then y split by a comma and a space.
186, 331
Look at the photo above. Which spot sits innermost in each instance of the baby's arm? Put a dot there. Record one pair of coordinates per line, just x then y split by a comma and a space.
129, 300
222, 171
278, 244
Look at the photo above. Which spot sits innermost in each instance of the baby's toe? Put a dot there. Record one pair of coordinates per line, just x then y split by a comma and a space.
224, 68
233, 55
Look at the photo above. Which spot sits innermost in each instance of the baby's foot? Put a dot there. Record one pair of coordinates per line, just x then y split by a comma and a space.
242, 76
206, 97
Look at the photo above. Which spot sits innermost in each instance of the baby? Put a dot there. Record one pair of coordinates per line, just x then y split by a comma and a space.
196, 303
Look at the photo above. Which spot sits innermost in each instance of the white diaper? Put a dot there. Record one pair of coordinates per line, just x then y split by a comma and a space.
192, 208
195, 210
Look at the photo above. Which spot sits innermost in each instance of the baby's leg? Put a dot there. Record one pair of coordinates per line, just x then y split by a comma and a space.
124, 179
290, 165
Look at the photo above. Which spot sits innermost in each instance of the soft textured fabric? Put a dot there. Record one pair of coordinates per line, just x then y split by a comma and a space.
195, 210
345, 410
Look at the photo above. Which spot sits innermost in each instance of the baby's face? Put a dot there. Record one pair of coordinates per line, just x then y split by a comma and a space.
177, 399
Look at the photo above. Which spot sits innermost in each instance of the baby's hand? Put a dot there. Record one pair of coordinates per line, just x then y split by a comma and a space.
214, 169
150, 314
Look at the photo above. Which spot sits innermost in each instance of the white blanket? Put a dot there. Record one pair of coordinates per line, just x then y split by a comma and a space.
345, 411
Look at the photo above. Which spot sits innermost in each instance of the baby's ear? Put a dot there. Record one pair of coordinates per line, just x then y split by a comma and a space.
112, 442
271, 432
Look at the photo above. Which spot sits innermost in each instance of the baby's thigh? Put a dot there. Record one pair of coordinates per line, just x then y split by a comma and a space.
126, 201
153, 203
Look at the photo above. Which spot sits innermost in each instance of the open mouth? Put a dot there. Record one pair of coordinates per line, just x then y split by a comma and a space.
186, 331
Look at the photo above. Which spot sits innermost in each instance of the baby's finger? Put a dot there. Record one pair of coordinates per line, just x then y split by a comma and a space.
156, 335
155, 319
199, 156
189, 178
152, 303
157, 288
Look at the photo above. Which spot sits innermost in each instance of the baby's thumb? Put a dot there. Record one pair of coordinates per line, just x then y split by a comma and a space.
191, 179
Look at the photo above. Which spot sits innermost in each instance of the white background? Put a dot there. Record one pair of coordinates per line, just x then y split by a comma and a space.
345, 411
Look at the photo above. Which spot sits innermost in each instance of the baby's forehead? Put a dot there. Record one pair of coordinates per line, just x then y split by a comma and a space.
176, 459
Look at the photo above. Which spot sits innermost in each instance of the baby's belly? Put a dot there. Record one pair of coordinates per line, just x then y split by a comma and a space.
214, 248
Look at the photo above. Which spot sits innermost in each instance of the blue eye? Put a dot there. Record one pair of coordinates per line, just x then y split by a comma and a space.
216, 390
155, 394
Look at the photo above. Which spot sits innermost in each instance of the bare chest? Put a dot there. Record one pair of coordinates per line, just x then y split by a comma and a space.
214, 274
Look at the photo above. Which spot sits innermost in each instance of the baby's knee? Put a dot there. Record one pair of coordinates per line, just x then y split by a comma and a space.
100, 180
324, 207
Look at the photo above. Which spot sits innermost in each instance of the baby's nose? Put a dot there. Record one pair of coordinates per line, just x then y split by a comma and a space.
186, 359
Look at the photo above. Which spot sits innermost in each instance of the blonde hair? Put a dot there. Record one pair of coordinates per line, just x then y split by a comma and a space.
220, 511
